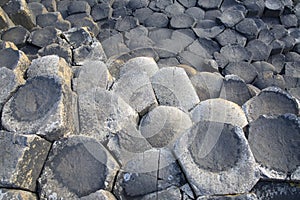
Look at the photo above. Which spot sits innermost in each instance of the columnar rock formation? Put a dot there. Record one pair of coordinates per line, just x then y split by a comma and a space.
149, 99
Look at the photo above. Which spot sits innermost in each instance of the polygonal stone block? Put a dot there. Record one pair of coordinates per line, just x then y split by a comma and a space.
216, 159
76, 167
22, 159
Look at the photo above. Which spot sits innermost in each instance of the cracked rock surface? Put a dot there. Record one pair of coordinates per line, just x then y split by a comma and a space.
149, 99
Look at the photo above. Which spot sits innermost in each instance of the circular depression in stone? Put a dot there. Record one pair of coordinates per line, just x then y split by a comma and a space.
78, 170
224, 146
35, 99
275, 142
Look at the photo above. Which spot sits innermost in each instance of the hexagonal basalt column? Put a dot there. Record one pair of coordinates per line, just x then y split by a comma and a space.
22, 159
40, 106
275, 145
77, 166
216, 159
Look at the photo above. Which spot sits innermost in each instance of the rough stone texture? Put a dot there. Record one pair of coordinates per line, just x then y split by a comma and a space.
18, 35
159, 20
5, 21
53, 19
19, 13
103, 113
208, 28
8, 194
207, 85
44, 36
77, 166
62, 51
258, 49
229, 36
41, 106
135, 89
250, 196
9, 84
163, 125
114, 45
235, 53
276, 190
99, 195
23, 157
78, 36
91, 75
16, 61
234, 89
172, 87
248, 27
147, 172
273, 141
209, 4
181, 21
216, 159
244, 70
231, 17
170, 193
219, 110
51, 66
270, 101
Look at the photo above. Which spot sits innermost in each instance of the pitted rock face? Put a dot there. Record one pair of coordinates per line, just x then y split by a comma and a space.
35, 99
224, 153
76, 169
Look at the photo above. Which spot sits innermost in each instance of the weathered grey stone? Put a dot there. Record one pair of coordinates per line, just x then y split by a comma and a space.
88, 52
101, 11
19, 13
148, 172
161, 5
14, 60
114, 45
177, 43
135, 89
212, 14
278, 61
258, 49
207, 29
76, 167
59, 50
41, 106
216, 159
195, 12
169, 193
207, 85
234, 89
248, 28
50, 5
181, 21
196, 61
280, 156
219, 110
9, 83
273, 8
18, 35
270, 101
136, 4
276, 190
174, 9
44, 36
248, 196
209, 4
158, 34
142, 14
145, 64
139, 42
172, 87
90, 75
31, 51
100, 195
188, 3
230, 36
76, 7
158, 20
268, 79
78, 36
231, 17
5, 21
37, 8
7, 194
102, 113
189, 70
253, 90
255, 8
163, 125
53, 19
23, 157
7, 44
172, 61
126, 23
235, 53
289, 20
51, 66
244, 70
292, 69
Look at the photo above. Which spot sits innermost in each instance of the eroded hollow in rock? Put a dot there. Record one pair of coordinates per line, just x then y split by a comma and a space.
224, 146
35, 99
78, 170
